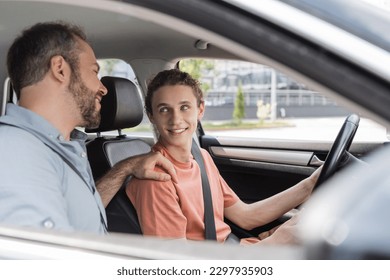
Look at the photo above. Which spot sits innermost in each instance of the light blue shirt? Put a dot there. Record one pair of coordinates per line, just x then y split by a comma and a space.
37, 187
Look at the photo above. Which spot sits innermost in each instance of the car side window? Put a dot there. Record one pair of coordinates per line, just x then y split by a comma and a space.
120, 68
256, 101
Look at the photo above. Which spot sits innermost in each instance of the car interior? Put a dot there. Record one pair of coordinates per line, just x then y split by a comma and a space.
151, 36
122, 109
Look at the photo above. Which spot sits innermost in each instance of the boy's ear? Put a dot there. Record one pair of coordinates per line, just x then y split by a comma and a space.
201, 110
150, 116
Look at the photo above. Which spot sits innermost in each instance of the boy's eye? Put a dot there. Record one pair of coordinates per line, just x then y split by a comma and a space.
163, 109
185, 107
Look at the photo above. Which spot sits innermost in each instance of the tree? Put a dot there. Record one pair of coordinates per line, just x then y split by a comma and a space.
239, 105
107, 66
196, 67
263, 111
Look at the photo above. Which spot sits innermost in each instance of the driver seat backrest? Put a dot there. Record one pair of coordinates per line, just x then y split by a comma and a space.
7, 96
122, 107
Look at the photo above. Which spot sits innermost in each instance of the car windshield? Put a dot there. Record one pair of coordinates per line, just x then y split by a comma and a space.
367, 19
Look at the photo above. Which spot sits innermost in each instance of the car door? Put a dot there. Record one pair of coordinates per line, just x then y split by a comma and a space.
269, 150
258, 168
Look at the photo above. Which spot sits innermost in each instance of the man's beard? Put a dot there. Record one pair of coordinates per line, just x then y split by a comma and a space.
86, 101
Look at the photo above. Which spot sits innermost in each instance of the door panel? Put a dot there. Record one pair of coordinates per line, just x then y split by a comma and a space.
256, 169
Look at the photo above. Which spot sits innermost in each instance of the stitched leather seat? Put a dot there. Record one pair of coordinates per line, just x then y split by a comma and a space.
121, 108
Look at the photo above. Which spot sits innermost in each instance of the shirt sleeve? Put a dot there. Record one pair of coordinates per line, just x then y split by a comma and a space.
31, 193
158, 208
229, 196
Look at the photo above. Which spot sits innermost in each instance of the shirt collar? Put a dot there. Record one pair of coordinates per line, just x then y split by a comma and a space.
28, 118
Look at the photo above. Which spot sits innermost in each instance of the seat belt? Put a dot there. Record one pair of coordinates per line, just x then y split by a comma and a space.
102, 221
209, 222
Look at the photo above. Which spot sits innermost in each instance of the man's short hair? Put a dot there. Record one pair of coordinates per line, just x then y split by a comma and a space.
29, 56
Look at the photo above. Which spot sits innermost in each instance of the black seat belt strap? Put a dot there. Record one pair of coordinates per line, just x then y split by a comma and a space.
209, 222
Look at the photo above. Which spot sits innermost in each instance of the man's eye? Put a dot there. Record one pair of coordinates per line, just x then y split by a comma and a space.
185, 107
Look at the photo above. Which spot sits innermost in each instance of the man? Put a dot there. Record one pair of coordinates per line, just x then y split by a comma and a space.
46, 180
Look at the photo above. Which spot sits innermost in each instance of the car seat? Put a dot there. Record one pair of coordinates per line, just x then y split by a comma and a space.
122, 108
7, 96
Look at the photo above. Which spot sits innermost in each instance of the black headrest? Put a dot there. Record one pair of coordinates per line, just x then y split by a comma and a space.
121, 107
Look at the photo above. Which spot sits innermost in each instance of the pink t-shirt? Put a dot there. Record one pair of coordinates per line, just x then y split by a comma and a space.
171, 210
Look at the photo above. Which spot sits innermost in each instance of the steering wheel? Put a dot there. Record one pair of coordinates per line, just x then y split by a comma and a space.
338, 154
